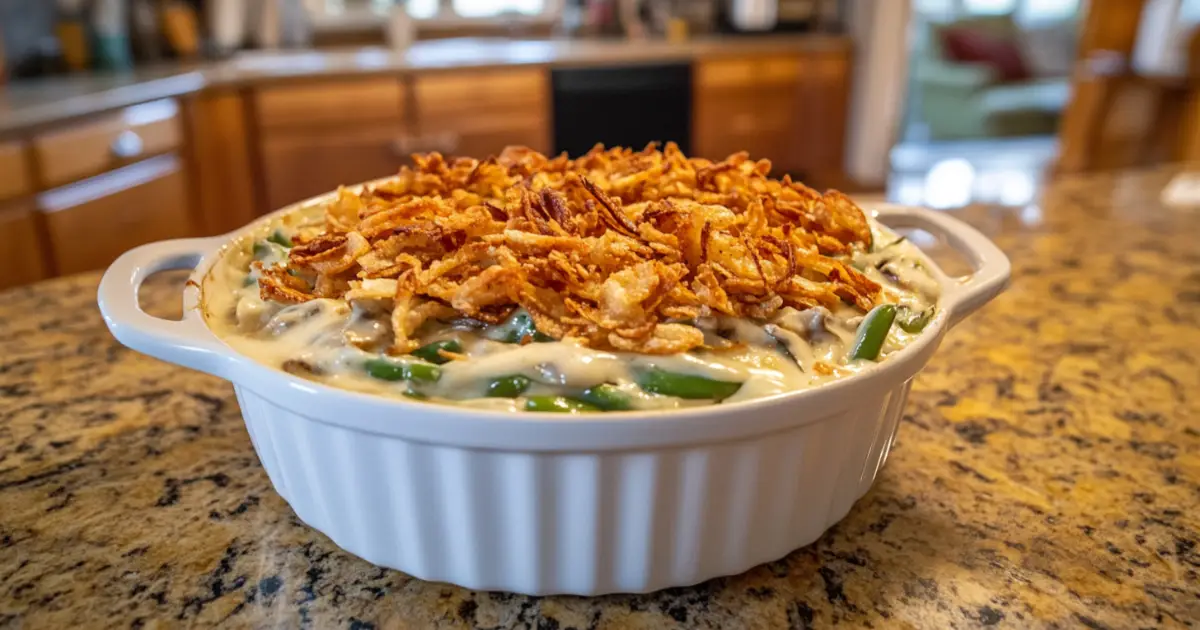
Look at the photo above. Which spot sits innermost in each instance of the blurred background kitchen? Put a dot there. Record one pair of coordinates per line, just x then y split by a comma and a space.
128, 121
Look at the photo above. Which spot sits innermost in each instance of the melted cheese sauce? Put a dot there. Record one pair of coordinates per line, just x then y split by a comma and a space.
323, 340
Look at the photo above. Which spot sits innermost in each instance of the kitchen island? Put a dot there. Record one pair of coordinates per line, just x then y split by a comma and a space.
1046, 473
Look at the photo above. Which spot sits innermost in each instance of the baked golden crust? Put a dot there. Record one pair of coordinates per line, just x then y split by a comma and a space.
608, 248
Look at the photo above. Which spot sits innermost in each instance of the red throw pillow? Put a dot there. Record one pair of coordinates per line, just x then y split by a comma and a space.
973, 46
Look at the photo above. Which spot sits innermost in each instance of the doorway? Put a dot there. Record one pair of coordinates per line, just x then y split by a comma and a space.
988, 83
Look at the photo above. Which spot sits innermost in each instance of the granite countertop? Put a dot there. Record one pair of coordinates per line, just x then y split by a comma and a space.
1047, 472
29, 104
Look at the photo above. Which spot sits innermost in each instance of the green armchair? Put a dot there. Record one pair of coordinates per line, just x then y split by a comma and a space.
966, 100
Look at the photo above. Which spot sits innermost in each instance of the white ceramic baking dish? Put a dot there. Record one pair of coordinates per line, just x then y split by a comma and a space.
545, 503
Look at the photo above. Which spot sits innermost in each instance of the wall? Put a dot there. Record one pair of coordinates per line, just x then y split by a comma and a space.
23, 23
880, 32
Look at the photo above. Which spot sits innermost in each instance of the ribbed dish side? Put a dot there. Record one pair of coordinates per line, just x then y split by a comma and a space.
581, 523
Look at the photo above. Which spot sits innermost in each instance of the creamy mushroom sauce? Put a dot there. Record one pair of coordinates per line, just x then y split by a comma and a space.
313, 340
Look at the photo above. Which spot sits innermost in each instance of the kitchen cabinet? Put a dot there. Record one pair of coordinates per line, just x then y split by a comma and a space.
107, 142
21, 254
299, 165
317, 136
477, 114
818, 140
221, 150
14, 172
788, 109
91, 222
747, 105
335, 103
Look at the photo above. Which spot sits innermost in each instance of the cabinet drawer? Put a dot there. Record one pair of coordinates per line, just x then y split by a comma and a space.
20, 246
14, 174
329, 103
108, 142
440, 94
299, 166
92, 222
747, 72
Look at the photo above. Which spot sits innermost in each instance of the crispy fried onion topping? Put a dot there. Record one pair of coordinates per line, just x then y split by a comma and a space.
612, 249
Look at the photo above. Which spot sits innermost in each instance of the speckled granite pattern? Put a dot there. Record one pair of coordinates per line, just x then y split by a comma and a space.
1047, 473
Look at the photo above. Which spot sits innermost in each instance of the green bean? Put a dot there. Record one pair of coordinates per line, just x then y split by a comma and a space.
249, 281
508, 386
873, 331
261, 250
423, 372
607, 397
688, 386
279, 238
911, 321
430, 353
557, 404
415, 395
386, 370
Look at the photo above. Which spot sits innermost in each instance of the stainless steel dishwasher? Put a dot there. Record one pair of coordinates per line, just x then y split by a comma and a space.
627, 106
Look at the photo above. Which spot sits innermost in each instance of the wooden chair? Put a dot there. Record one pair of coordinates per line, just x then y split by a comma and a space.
1122, 118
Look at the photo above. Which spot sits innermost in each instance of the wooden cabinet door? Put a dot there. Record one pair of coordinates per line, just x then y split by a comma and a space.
820, 130
748, 104
92, 222
481, 135
760, 120
478, 113
21, 254
307, 106
14, 174
298, 165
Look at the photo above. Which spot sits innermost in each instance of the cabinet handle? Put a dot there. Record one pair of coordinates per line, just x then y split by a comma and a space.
127, 145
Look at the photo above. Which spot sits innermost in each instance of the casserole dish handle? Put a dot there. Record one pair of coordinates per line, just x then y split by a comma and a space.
186, 342
992, 269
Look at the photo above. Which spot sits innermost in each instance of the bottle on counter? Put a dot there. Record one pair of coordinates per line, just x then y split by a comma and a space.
227, 22
71, 29
181, 28
146, 35
294, 24
110, 25
268, 30
754, 15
